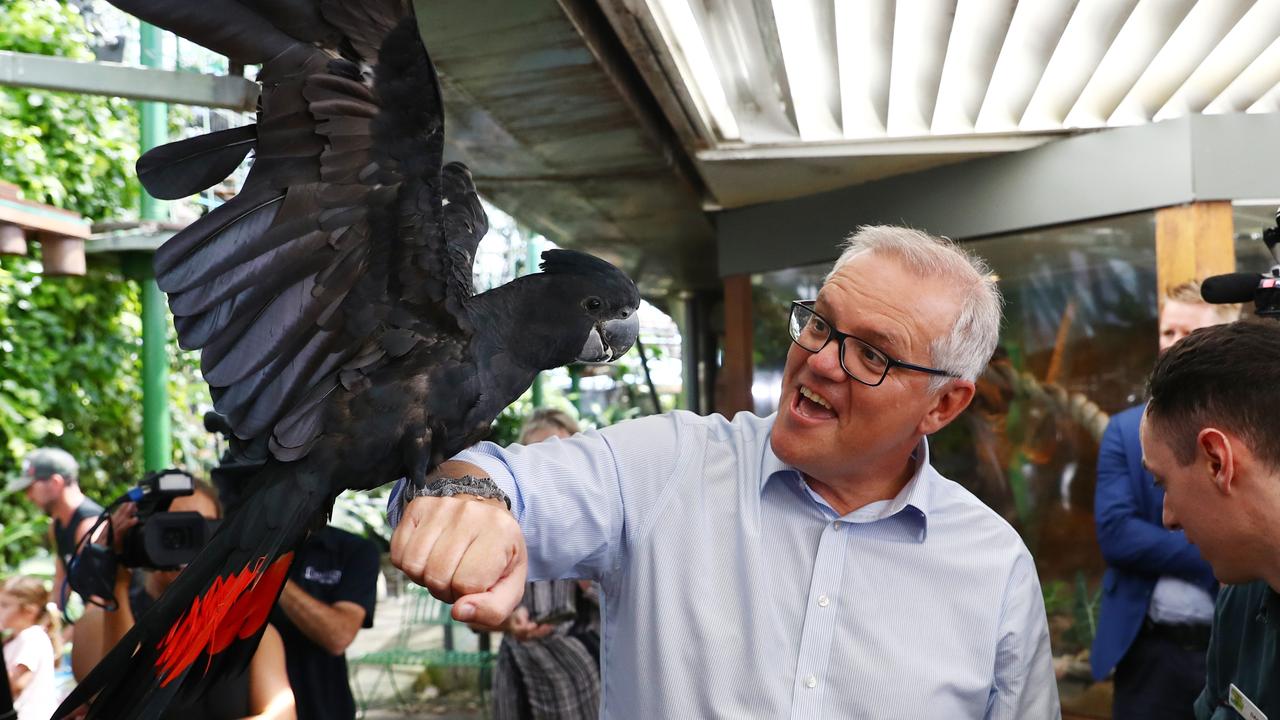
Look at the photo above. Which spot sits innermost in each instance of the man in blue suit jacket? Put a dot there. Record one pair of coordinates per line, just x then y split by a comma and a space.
1157, 598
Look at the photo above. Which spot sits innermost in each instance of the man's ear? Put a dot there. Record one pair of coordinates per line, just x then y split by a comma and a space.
950, 402
1215, 454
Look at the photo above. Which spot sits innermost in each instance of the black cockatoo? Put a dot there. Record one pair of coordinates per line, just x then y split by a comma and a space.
332, 302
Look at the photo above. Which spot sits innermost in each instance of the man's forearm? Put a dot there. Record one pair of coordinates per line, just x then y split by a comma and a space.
331, 627
116, 624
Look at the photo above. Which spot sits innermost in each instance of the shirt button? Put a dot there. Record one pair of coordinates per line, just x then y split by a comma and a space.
837, 525
811, 682
823, 601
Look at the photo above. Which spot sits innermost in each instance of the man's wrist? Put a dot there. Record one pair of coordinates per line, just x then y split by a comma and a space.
476, 486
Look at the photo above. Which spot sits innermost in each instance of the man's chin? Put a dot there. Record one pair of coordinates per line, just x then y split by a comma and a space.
788, 442
1230, 576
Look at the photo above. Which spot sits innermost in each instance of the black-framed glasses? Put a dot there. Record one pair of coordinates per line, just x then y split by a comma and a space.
859, 359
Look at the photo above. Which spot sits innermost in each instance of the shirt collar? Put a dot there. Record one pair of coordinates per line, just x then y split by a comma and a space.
909, 509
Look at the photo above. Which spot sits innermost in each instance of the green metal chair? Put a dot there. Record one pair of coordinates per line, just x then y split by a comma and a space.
422, 611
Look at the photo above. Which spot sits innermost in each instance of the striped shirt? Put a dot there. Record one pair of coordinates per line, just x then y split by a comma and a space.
733, 590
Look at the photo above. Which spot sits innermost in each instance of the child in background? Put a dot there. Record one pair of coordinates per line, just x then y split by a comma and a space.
29, 647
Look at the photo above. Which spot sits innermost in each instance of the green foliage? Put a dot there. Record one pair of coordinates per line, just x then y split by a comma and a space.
1078, 604
72, 151
70, 347
771, 341
1057, 599
1085, 613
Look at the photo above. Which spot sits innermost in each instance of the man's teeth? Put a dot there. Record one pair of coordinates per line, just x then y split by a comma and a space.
815, 397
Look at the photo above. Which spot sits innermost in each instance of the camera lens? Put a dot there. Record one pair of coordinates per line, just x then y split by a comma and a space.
176, 538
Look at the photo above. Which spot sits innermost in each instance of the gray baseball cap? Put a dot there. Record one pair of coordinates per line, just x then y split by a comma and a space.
40, 464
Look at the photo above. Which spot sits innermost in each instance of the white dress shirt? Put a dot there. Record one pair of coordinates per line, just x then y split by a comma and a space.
732, 590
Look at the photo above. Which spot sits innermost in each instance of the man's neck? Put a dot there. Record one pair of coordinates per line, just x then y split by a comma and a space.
857, 491
67, 504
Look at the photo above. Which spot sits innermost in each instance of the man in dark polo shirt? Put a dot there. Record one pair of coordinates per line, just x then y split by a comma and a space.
330, 595
1211, 438
50, 479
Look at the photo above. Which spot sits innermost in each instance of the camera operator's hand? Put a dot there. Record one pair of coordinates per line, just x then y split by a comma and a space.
124, 517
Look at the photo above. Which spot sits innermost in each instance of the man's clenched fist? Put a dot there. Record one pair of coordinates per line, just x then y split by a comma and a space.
465, 550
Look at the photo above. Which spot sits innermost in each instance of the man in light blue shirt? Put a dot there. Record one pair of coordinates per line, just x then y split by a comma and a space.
809, 564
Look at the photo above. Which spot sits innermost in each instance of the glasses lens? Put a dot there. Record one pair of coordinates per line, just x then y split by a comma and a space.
864, 362
807, 329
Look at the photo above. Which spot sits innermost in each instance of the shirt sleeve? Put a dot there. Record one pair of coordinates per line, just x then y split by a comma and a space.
578, 498
359, 582
33, 649
1025, 685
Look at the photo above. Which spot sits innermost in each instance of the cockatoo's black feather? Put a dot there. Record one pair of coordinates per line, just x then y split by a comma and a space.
332, 304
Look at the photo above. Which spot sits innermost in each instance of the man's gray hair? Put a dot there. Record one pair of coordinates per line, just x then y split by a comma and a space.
972, 340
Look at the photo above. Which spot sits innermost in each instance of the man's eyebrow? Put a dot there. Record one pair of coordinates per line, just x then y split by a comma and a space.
875, 337
871, 335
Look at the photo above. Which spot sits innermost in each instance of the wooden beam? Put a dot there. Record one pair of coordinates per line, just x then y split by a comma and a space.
37, 217
736, 364
1193, 241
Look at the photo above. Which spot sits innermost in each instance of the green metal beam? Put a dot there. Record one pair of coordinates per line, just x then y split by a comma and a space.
157, 437
101, 78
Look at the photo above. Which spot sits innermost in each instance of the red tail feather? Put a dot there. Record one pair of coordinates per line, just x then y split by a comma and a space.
233, 607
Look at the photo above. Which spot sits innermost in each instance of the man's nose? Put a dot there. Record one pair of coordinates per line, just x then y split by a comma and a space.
1167, 517
826, 362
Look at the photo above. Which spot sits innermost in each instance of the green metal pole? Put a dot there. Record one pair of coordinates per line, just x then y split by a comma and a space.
531, 265
157, 441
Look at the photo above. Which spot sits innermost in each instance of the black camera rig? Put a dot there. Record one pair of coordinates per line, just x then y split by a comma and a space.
161, 540
1262, 289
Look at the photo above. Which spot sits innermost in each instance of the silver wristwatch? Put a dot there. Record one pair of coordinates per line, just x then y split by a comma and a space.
482, 487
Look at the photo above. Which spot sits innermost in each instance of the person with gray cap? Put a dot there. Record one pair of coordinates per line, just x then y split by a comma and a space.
50, 479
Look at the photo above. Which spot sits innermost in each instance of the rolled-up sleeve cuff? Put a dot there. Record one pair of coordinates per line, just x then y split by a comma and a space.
490, 458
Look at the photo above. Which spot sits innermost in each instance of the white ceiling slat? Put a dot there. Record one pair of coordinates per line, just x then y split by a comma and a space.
679, 28
753, 82
920, 33
1269, 102
1088, 35
976, 37
1252, 85
1147, 30
806, 30
1197, 35
1250, 37
1033, 35
864, 47
876, 78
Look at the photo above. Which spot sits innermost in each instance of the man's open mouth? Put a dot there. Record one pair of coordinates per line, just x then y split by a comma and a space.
812, 405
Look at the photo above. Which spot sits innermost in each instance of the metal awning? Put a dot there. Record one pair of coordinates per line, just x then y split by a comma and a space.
904, 85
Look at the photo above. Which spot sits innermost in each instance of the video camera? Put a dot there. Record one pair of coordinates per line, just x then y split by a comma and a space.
1262, 289
162, 540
